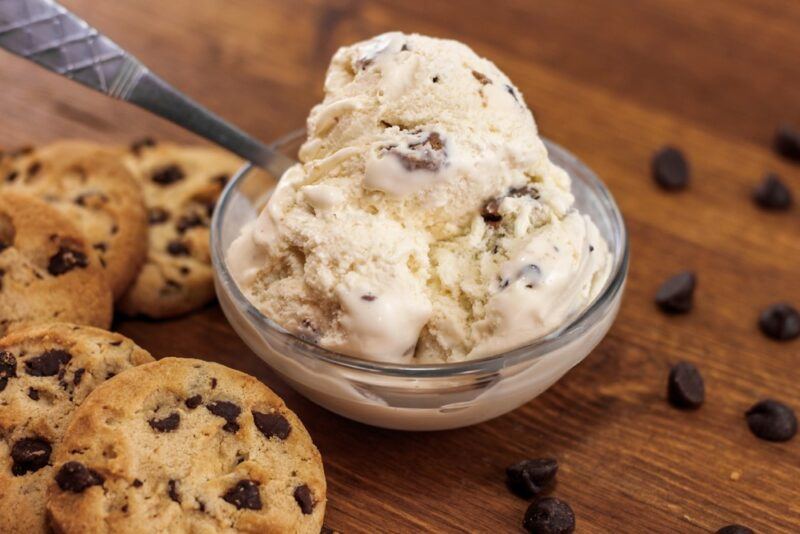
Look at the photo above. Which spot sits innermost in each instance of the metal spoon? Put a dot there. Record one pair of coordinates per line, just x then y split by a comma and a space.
46, 33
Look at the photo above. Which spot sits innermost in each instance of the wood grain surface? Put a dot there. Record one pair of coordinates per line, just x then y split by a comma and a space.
613, 81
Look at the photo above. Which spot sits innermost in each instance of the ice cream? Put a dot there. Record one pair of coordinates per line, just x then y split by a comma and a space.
424, 222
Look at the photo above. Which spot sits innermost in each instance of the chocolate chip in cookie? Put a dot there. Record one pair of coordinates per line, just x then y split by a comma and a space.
67, 259
304, 499
272, 424
193, 402
157, 216
176, 247
8, 368
172, 490
48, 363
228, 411
30, 455
168, 175
244, 494
167, 424
76, 477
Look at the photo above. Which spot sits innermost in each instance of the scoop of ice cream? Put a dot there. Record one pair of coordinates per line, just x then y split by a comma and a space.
425, 221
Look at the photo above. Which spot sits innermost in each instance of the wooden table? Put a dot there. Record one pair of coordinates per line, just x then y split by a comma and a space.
613, 81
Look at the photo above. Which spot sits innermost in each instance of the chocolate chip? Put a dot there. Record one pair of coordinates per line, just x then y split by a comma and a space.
12, 176
304, 498
220, 179
75, 477
167, 424
168, 175
184, 270
76, 378
213, 383
116, 343
272, 424
92, 199
670, 169
787, 142
735, 529
138, 146
481, 77
685, 388
435, 79
100, 247
172, 490
190, 220
157, 216
8, 368
780, 322
48, 363
176, 247
676, 294
529, 477
30, 455
549, 516
491, 211
512, 92
772, 421
772, 193
34, 168
65, 260
137, 483
244, 495
193, 402
368, 297
228, 411
33, 393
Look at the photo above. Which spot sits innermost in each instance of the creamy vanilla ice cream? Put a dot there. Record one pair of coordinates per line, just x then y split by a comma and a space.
424, 222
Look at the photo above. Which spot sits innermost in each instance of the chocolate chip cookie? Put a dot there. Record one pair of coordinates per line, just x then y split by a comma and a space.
45, 372
183, 445
181, 185
91, 186
48, 272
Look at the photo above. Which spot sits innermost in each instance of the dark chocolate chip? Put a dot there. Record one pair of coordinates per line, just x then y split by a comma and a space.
34, 168
244, 495
676, 294
735, 529
137, 483
670, 169
772, 193
221, 179
33, 393
30, 455
481, 77
780, 322
193, 402
167, 424
157, 216
184, 270
190, 220
685, 388
772, 421
228, 411
176, 247
65, 260
787, 142
272, 424
435, 79
12, 176
530, 477
549, 516
168, 175
172, 490
8, 368
48, 363
491, 211
116, 343
368, 297
213, 383
76, 477
78, 376
145, 142
304, 498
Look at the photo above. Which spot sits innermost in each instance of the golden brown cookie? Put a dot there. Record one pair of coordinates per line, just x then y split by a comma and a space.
91, 186
45, 372
181, 185
48, 272
183, 445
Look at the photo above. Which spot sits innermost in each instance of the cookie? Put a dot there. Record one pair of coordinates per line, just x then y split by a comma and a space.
91, 186
48, 272
45, 372
181, 185
183, 445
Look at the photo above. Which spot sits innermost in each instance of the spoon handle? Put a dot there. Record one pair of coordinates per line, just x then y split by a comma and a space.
48, 34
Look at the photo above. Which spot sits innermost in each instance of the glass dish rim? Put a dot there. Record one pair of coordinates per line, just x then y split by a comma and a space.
567, 333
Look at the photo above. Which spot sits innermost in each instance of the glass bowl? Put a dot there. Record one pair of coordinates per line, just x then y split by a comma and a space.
419, 397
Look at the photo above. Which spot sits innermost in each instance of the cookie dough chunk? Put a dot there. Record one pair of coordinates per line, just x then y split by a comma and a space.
48, 272
91, 186
181, 185
183, 445
45, 372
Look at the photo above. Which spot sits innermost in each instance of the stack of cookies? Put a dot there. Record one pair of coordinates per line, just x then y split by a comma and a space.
85, 227
95, 436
